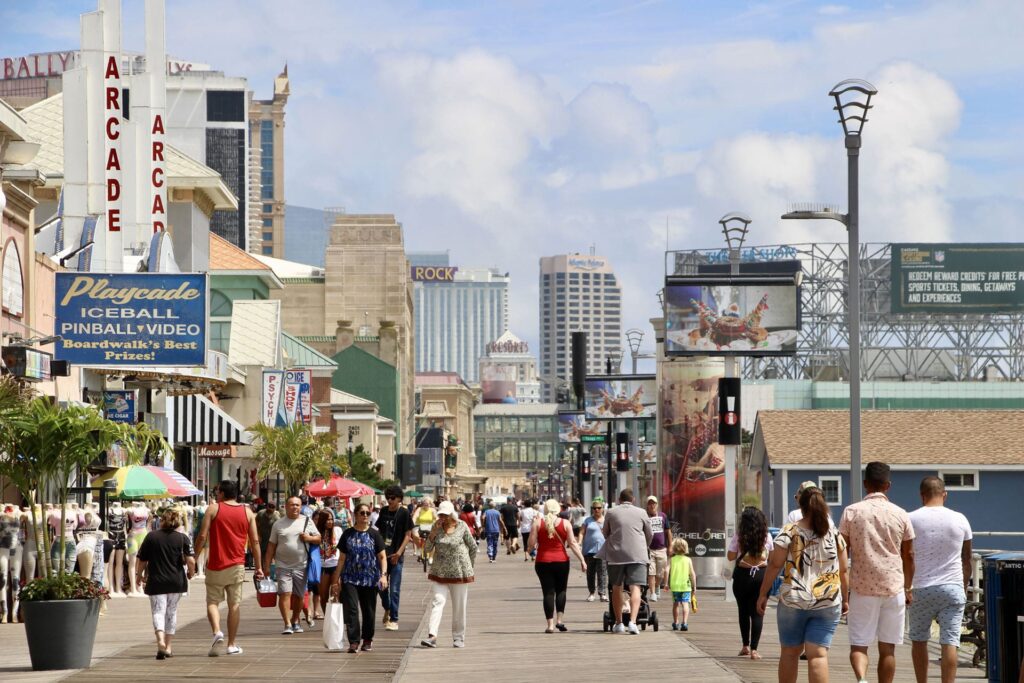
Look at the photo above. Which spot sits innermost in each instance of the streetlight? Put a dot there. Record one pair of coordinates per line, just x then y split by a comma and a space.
853, 100
735, 226
634, 337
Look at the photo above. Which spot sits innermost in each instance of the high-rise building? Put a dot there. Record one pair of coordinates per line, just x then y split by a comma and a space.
266, 172
578, 293
458, 313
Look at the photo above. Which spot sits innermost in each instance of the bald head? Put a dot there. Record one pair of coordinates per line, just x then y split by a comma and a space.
933, 489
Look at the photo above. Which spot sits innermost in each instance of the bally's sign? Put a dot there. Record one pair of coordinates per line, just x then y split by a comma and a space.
434, 273
131, 318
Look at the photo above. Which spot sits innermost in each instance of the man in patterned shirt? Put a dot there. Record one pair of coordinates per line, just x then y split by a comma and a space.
881, 545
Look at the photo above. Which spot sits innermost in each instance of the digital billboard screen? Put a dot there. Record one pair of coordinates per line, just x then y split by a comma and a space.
968, 278
749, 316
574, 427
621, 397
498, 382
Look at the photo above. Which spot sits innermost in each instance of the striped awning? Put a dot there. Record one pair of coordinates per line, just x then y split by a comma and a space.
197, 420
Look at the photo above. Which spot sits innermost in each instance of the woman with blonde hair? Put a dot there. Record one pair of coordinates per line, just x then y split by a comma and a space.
165, 563
550, 535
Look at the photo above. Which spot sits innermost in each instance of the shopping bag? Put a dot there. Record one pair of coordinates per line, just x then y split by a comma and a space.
334, 627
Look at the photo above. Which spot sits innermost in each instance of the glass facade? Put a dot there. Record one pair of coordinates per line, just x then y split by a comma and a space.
516, 442
225, 153
266, 160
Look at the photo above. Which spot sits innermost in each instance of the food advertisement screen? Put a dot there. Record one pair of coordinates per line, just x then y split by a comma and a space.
731, 316
621, 397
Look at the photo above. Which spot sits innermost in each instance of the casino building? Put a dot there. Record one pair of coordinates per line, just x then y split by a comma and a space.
458, 312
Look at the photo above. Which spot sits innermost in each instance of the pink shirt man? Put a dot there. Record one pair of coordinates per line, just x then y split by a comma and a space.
876, 529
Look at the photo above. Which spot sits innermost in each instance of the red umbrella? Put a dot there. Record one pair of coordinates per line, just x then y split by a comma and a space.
338, 487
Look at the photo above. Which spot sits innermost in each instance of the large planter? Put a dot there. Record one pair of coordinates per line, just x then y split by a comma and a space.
60, 633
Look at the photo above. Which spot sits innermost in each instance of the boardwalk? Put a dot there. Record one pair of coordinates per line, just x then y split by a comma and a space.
505, 638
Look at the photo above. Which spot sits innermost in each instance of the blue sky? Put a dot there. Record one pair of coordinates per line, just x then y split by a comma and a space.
508, 131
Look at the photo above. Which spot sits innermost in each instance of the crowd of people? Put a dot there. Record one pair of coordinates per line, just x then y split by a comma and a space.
876, 564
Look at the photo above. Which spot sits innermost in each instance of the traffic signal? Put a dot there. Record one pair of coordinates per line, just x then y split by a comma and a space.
730, 433
410, 469
622, 452
584, 464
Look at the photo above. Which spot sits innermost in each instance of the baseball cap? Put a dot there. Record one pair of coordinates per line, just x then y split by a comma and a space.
806, 485
446, 508
652, 499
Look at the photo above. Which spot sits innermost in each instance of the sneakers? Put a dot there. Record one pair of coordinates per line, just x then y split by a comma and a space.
653, 597
217, 646
296, 628
429, 641
675, 626
233, 650
288, 630
604, 598
391, 626
491, 560
633, 630
591, 597
459, 643
367, 646
618, 628
684, 627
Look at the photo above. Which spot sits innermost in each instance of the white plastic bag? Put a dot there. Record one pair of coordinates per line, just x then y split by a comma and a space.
334, 627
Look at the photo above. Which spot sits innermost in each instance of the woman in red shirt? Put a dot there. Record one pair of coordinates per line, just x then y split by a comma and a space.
550, 535
469, 518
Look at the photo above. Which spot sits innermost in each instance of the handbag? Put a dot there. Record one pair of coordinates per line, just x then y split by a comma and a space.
334, 626
313, 562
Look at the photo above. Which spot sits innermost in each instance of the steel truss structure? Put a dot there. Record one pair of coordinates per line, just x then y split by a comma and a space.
893, 346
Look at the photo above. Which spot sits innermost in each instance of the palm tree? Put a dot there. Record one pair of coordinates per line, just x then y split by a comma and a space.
294, 451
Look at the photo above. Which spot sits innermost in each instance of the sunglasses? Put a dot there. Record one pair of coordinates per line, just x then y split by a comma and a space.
362, 513
597, 507
392, 498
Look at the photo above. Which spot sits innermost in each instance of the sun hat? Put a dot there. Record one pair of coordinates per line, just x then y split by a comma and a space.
446, 508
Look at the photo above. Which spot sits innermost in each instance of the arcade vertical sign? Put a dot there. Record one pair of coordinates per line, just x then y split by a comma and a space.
112, 117
298, 406
271, 404
156, 58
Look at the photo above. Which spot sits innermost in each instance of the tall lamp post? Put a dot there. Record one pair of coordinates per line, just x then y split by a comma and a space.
853, 100
734, 228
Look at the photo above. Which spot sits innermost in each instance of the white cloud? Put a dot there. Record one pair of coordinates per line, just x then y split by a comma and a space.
477, 119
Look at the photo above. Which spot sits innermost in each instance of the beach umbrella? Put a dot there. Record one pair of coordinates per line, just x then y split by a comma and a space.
338, 487
147, 481
413, 494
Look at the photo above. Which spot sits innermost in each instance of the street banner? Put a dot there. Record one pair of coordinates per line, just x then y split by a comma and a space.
119, 406
273, 386
693, 461
297, 383
970, 278
151, 319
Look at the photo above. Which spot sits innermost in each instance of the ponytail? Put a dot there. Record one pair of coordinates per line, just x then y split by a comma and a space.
815, 509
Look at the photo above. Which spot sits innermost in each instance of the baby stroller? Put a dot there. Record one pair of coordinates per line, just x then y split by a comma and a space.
644, 617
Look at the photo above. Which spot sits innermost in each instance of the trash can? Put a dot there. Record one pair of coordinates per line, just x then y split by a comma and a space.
1004, 610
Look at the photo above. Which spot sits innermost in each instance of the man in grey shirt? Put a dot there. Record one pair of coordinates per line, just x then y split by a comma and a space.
287, 544
627, 533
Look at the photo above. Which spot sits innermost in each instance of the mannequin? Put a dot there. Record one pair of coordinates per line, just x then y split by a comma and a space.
70, 525
28, 533
90, 553
117, 530
138, 518
200, 512
10, 546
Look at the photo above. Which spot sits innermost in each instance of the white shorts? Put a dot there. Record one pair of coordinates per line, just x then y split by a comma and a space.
874, 618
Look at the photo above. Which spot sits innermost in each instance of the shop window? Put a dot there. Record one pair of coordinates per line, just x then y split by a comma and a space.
960, 480
220, 305
831, 489
13, 283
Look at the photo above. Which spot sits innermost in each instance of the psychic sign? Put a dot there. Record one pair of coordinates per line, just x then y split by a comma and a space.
154, 319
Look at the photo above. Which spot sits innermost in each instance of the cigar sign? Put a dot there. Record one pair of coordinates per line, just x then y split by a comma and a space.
154, 319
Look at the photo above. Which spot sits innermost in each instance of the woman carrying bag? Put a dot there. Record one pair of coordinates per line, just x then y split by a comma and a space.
361, 573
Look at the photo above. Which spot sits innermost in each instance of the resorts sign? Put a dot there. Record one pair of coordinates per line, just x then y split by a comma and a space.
152, 319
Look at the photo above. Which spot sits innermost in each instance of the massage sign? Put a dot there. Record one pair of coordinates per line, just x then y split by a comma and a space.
152, 319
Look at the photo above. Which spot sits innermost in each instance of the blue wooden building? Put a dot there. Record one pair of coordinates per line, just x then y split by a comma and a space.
978, 453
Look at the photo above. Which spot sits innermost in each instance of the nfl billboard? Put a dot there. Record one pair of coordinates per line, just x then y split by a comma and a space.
971, 278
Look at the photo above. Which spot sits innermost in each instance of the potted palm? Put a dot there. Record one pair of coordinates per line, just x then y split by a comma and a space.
46, 447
